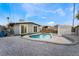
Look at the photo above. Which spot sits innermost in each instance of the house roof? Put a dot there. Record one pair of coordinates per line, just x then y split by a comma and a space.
24, 23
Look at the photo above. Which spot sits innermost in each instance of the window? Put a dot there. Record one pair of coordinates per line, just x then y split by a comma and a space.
35, 28
23, 29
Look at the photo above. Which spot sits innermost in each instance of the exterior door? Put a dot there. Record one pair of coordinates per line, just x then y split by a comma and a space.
35, 28
23, 29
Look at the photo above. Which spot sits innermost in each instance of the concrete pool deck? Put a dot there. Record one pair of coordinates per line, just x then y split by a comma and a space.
73, 38
55, 39
16, 46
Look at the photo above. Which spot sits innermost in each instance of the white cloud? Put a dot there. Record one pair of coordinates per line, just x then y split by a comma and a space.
29, 9
51, 23
60, 11
33, 9
70, 22
44, 17
71, 8
37, 9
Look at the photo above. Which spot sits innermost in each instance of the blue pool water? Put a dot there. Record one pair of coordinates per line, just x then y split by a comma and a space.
41, 36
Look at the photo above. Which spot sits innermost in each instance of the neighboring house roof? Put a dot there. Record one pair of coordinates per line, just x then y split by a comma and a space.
24, 23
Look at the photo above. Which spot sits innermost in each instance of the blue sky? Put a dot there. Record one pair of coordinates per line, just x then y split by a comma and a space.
41, 13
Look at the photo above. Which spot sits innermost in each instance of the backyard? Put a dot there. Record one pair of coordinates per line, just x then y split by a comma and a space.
46, 29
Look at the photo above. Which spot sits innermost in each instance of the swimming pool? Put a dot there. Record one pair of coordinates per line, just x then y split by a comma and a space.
48, 37
41, 36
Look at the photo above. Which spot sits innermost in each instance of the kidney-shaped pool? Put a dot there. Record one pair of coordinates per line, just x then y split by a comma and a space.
41, 36
48, 37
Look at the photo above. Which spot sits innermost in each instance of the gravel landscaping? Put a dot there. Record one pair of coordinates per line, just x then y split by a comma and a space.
16, 46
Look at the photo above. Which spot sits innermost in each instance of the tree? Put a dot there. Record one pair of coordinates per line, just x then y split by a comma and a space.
77, 16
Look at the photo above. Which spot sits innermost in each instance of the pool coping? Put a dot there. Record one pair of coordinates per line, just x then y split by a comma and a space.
67, 44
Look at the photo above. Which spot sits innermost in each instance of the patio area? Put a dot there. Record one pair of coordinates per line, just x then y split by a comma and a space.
16, 46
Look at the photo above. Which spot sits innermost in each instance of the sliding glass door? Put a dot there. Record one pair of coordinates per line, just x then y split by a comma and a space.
35, 28
23, 29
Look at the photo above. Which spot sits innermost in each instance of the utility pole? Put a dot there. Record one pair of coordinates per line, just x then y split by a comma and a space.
73, 17
73, 14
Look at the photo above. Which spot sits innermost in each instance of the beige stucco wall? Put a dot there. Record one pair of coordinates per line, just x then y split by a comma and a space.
64, 29
16, 29
31, 28
77, 31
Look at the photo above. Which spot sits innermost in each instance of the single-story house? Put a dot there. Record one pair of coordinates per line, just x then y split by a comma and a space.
24, 27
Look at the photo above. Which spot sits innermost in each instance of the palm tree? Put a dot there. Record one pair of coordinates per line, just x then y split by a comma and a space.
8, 19
77, 16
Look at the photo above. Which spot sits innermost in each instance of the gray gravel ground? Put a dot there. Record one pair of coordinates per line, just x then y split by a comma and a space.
15, 46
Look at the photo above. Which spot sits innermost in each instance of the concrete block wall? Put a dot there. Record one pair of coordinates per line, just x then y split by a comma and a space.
64, 29
77, 31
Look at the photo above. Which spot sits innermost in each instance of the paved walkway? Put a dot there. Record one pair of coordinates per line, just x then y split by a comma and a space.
73, 38
15, 46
